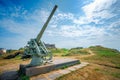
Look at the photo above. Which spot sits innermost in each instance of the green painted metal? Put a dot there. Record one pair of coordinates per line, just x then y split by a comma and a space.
37, 49
45, 25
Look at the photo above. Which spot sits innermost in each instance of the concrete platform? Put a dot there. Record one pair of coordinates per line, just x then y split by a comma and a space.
52, 75
56, 64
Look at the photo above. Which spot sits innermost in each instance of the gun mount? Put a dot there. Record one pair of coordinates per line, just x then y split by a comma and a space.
37, 49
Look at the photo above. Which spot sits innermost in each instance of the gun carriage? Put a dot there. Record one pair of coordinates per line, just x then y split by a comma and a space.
37, 49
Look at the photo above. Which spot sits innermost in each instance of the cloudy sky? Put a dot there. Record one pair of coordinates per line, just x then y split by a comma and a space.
76, 23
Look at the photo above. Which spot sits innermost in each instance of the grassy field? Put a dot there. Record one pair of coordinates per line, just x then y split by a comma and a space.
59, 52
66, 52
104, 63
106, 56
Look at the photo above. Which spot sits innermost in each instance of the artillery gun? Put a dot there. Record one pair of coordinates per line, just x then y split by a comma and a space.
37, 49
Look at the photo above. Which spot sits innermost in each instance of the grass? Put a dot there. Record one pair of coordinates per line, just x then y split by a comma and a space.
106, 56
86, 73
11, 54
76, 52
67, 52
59, 52
108, 59
63, 67
9, 61
110, 71
103, 56
23, 77
116, 75
96, 69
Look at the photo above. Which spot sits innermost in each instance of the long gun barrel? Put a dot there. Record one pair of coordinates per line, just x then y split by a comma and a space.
45, 25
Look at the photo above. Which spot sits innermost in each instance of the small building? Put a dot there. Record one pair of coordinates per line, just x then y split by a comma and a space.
2, 50
50, 45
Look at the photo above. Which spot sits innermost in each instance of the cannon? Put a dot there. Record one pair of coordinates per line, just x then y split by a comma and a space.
37, 49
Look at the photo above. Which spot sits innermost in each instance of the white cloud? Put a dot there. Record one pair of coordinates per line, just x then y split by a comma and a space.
96, 11
98, 6
61, 16
53, 26
70, 30
78, 31
39, 16
115, 27
18, 28
15, 12
28, 27
29, 24
82, 20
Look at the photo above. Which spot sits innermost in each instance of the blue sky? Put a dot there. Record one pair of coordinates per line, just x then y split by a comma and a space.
76, 23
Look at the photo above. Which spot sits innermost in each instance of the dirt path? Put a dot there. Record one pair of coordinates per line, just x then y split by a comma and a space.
12, 65
90, 54
84, 56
